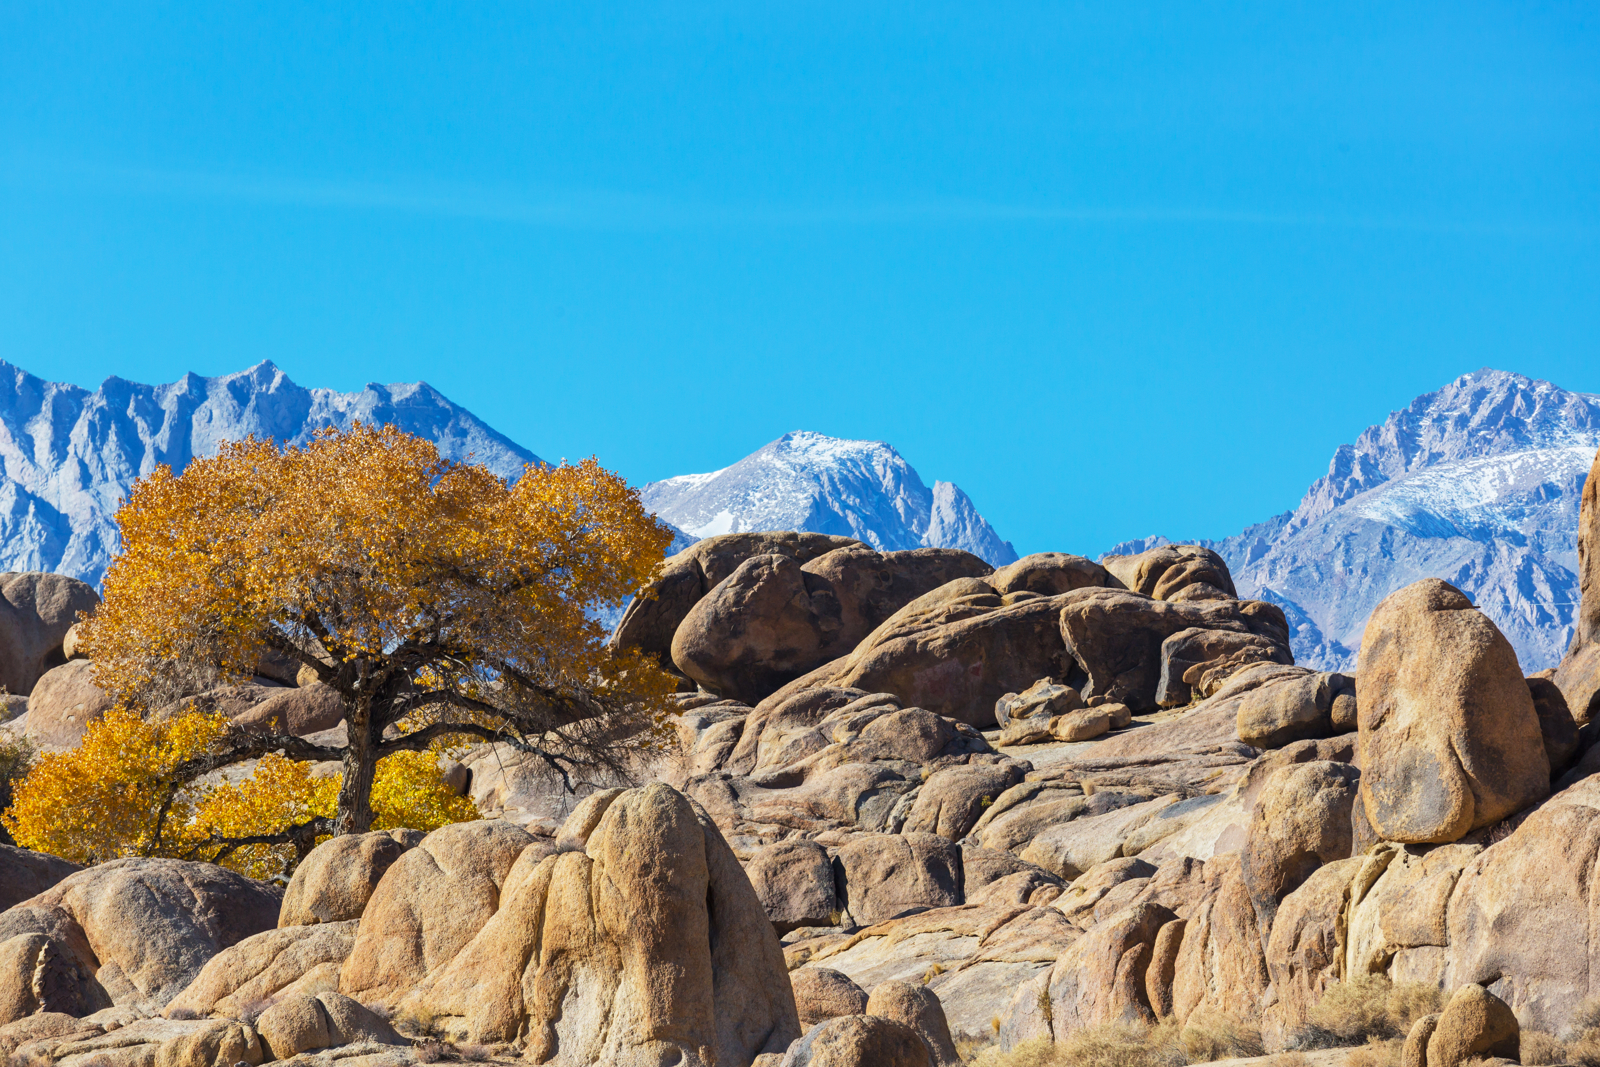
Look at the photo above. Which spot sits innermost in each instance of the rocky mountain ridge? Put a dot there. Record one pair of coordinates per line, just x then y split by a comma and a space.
813, 483
1477, 483
70, 455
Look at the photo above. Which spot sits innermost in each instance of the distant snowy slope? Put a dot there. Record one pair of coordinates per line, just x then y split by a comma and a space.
1477, 484
70, 455
808, 481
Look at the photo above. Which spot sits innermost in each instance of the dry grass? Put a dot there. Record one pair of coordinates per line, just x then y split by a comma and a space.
1541, 1049
1587, 1017
1288, 1059
1130, 1045
1377, 1052
1584, 1050
430, 1051
1369, 1008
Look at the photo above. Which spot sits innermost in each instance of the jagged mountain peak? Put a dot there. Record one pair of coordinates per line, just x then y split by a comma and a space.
810, 481
1477, 483
69, 455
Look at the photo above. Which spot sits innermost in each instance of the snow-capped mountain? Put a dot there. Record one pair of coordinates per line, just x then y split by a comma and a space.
70, 455
1477, 484
808, 481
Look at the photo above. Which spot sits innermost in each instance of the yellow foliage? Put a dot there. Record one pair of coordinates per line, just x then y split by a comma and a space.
423, 591
102, 800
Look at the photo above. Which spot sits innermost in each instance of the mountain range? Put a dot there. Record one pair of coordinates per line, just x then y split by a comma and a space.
808, 481
1477, 483
70, 455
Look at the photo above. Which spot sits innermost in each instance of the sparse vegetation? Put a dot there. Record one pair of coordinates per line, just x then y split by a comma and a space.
1132, 1045
16, 756
1367, 1009
1377, 1052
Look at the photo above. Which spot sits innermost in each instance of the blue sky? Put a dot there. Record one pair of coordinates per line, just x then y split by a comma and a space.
1115, 269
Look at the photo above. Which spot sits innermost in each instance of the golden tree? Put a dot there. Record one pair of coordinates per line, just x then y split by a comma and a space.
435, 598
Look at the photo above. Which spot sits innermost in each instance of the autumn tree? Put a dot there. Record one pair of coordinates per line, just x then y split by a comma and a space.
437, 600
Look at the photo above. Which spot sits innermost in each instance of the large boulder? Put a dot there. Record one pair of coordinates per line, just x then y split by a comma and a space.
1174, 572
955, 650
953, 799
1476, 1024
25, 874
336, 880
1301, 821
1449, 737
888, 875
1579, 672
1300, 710
918, 1007
1195, 661
1048, 573
305, 1023
287, 961
148, 925
1116, 637
428, 905
859, 1041
302, 711
64, 702
654, 615
774, 618
1556, 725
36, 611
647, 947
795, 883
821, 993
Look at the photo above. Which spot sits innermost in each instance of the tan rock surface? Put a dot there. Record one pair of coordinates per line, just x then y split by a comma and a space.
821, 993
1450, 740
917, 1007
25, 873
1174, 572
335, 881
36, 611
859, 1041
264, 965
63, 703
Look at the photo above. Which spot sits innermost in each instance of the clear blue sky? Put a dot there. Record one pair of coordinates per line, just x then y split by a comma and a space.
1115, 269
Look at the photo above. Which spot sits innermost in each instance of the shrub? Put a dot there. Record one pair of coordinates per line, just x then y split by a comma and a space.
16, 756
1366, 1008
1540, 1049
1219, 1037
1585, 1049
1132, 1045
1377, 1052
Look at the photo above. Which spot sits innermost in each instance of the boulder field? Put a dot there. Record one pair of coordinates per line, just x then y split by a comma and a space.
916, 806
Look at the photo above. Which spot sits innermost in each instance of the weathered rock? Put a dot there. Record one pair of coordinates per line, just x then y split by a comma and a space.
917, 1007
63, 703
1395, 921
758, 629
653, 617
1043, 698
336, 880
36, 611
654, 931
1195, 653
1297, 710
953, 799
152, 924
1069, 849
859, 1041
300, 711
304, 1023
1301, 821
1304, 954
871, 586
1450, 740
1220, 967
955, 650
428, 905
1116, 636
25, 874
1174, 572
1556, 725
155, 1042
1474, 1023
1521, 913
886, 875
821, 993
780, 731
1579, 672
1048, 573
286, 961
1099, 980
794, 881
46, 964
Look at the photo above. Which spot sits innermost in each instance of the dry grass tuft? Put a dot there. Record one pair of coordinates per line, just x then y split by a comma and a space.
1584, 1050
1132, 1045
1288, 1059
1540, 1049
1219, 1038
1369, 1007
1377, 1052
1587, 1017
430, 1052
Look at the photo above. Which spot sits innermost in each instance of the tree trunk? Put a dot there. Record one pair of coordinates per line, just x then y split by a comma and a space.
360, 761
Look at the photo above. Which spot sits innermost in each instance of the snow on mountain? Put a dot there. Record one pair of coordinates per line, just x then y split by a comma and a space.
70, 455
1477, 484
808, 481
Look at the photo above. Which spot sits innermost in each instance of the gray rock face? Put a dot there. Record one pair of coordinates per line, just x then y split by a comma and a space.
807, 481
1478, 484
70, 455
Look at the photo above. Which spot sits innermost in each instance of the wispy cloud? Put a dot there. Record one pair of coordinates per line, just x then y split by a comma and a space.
588, 209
